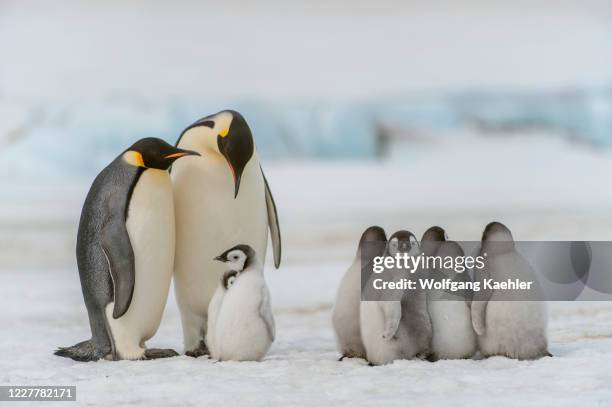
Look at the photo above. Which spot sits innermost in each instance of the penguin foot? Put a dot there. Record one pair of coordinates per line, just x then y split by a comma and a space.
85, 351
342, 358
201, 350
548, 354
425, 355
432, 357
151, 354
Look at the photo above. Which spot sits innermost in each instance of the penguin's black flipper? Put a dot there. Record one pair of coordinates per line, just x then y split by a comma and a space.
120, 256
479, 303
273, 222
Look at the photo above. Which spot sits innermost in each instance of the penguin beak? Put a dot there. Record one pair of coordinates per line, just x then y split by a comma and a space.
219, 258
179, 154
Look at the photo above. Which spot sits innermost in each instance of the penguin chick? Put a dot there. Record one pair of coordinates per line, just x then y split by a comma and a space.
431, 240
240, 325
453, 335
506, 324
397, 326
345, 316
227, 280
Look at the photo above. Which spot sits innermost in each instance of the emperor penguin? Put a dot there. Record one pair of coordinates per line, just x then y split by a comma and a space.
345, 316
125, 253
221, 199
240, 323
506, 323
451, 319
397, 326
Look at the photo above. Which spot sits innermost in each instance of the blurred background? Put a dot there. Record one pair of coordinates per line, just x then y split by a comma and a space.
398, 113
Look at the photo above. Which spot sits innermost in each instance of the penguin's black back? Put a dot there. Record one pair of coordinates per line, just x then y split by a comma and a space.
108, 198
106, 206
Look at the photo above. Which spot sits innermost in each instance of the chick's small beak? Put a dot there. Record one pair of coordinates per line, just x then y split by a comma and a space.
219, 258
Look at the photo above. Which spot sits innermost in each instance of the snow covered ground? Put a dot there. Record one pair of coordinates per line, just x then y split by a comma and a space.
301, 368
543, 188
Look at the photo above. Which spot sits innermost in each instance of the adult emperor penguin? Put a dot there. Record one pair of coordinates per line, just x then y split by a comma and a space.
508, 323
345, 316
221, 199
241, 325
453, 335
397, 326
125, 253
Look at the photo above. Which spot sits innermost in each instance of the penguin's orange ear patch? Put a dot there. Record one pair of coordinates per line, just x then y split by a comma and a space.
224, 132
133, 158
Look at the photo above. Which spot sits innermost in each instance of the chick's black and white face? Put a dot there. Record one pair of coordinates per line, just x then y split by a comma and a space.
402, 243
236, 260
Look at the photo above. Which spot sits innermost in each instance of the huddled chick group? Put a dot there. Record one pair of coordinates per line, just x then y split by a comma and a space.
426, 323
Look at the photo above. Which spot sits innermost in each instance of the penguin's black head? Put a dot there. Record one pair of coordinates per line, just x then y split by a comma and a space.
496, 231
375, 239
227, 133
155, 153
497, 238
373, 234
434, 234
402, 241
430, 242
238, 257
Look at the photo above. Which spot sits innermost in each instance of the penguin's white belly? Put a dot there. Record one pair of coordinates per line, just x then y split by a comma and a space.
213, 313
240, 332
209, 221
345, 315
150, 226
379, 351
516, 329
453, 335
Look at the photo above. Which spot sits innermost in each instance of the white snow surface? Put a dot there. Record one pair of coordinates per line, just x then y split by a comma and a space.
301, 369
541, 188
